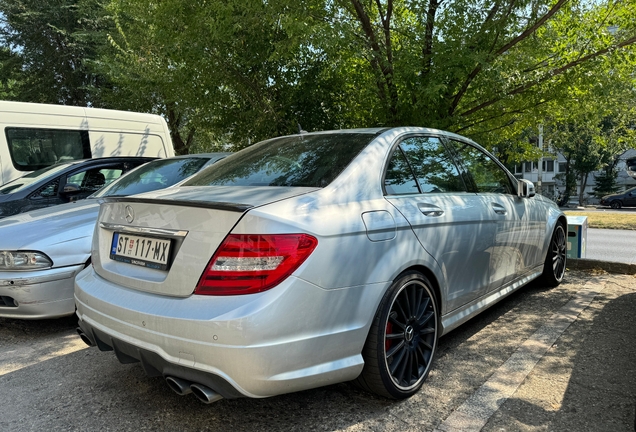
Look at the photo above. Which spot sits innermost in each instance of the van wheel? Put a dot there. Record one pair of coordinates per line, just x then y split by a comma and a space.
556, 258
402, 341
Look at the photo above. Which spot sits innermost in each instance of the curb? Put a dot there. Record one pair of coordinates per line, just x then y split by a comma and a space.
610, 267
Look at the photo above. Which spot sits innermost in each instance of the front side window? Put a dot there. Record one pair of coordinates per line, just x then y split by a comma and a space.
32, 149
481, 170
47, 191
299, 160
26, 181
92, 179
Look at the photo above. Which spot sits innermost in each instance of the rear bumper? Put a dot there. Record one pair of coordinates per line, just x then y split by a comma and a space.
293, 337
38, 294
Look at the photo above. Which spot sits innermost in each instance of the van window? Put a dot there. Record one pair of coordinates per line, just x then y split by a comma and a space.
32, 148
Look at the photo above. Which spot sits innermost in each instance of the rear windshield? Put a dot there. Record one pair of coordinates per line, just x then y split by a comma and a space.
300, 160
154, 175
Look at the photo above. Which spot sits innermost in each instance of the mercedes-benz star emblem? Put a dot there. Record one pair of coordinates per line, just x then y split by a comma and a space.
130, 214
409, 333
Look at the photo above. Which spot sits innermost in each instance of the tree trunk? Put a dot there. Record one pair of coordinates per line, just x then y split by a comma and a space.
582, 185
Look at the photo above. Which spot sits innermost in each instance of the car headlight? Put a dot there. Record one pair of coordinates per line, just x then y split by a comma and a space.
24, 260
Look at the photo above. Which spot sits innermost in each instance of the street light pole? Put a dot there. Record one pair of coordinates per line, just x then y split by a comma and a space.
540, 167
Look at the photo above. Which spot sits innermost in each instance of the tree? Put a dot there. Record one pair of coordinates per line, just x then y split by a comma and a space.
606, 182
55, 41
10, 74
250, 69
240, 71
466, 67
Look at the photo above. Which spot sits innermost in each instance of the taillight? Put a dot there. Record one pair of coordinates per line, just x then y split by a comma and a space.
251, 263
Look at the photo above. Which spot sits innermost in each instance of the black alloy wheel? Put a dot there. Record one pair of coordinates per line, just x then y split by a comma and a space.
556, 258
403, 339
616, 204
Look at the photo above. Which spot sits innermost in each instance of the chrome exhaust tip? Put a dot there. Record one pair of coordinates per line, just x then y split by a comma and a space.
205, 394
85, 337
179, 386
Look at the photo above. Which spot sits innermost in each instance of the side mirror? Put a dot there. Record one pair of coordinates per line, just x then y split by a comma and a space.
525, 188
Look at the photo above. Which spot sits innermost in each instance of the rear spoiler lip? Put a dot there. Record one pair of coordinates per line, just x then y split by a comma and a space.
213, 205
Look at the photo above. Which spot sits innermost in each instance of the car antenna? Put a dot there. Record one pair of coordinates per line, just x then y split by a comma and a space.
300, 130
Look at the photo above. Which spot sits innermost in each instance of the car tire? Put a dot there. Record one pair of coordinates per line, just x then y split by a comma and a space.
556, 258
402, 341
616, 204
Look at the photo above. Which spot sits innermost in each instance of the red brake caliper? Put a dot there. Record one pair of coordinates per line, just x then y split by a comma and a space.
387, 341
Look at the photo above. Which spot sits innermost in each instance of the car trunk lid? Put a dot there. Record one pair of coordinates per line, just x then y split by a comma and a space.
177, 231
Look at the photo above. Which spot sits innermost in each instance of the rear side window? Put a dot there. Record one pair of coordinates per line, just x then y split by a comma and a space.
301, 160
32, 149
399, 178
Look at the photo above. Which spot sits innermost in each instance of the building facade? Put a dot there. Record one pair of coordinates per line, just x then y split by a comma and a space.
551, 166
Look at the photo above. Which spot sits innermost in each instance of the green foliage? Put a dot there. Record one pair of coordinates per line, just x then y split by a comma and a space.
233, 72
606, 183
55, 42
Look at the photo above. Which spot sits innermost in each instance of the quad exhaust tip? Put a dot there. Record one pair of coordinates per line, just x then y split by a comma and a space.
85, 337
205, 394
179, 386
183, 387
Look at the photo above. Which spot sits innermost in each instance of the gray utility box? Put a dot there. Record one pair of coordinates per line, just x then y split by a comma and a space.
577, 236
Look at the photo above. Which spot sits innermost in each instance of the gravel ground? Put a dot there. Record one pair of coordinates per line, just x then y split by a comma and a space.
585, 381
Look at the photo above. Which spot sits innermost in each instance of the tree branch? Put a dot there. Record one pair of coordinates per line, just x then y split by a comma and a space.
427, 51
380, 63
479, 67
550, 74
527, 32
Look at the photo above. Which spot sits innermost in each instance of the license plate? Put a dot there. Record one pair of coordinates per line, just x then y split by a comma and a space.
142, 251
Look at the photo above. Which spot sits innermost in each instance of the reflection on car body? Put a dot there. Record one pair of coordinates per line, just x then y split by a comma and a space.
317, 258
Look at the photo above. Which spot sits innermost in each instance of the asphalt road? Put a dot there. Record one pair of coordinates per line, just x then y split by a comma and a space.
611, 245
543, 359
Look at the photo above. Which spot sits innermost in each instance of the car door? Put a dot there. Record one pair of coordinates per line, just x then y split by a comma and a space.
78, 184
424, 184
520, 228
630, 198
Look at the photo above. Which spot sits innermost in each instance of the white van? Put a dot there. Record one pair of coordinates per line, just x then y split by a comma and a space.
37, 135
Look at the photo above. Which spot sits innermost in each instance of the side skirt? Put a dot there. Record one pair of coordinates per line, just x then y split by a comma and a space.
454, 319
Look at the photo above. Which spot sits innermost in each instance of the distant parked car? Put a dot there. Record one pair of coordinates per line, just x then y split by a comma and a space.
63, 182
41, 251
619, 200
312, 259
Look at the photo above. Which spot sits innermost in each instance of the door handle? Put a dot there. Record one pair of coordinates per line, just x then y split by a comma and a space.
430, 210
499, 209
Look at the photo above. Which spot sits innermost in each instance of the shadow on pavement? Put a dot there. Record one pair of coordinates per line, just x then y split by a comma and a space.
600, 394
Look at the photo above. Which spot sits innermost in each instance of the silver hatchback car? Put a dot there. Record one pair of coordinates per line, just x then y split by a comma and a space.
313, 259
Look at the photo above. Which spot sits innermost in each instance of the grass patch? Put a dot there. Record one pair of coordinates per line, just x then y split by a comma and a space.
607, 220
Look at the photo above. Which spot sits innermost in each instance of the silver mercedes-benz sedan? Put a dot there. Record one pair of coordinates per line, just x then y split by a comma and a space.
42, 251
313, 259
